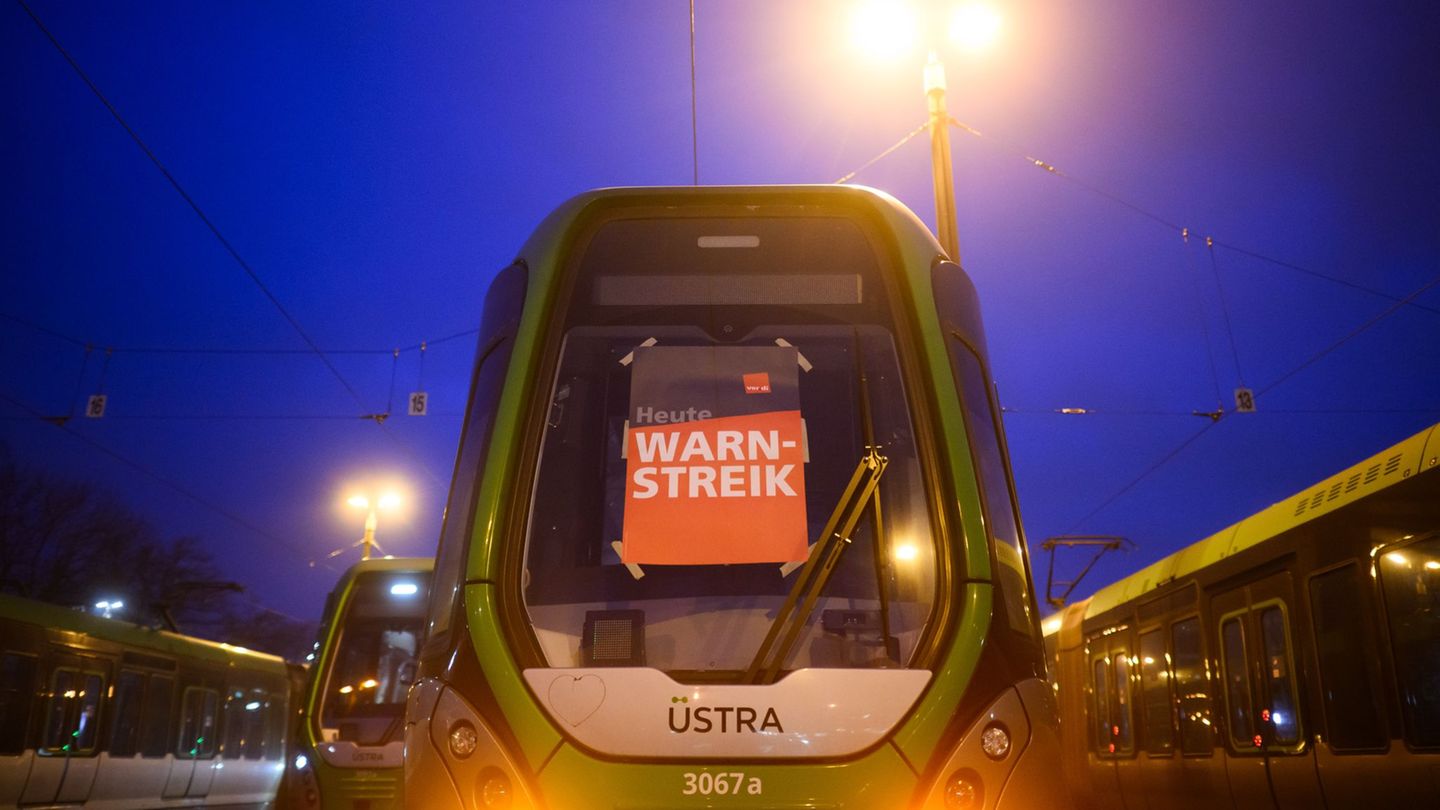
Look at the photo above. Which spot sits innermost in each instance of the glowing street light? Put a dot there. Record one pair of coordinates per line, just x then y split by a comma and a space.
385, 501
891, 30
108, 606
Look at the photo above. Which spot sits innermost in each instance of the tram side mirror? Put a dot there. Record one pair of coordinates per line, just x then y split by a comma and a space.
613, 638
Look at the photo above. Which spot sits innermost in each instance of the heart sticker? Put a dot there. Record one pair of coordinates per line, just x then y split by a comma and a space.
576, 699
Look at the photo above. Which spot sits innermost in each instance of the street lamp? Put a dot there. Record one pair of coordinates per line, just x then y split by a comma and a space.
385, 501
107, 606
891, 29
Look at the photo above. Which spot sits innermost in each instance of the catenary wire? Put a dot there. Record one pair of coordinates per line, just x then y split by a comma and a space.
872, 161
224, 243
167, 482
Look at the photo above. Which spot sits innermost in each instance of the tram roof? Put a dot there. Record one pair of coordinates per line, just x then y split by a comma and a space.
561, 222
68, 626
1392, 465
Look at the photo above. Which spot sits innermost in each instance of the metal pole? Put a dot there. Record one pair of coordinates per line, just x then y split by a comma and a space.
369, 539
940, 158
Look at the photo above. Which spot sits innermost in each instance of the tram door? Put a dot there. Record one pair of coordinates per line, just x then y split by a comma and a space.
64, 768
1115, 773
1270, 763
193, 769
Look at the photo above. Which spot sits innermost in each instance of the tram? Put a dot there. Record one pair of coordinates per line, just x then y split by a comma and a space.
349, 742
731, 524
100, 712
1289, 660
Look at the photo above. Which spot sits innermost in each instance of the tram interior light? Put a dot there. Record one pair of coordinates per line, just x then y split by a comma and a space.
301, 761
404, 589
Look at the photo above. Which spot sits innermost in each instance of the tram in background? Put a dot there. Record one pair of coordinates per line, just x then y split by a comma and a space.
732, 521
1290, 660
350, 742
100, 712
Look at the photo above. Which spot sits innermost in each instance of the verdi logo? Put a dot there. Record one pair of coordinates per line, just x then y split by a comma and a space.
721, 719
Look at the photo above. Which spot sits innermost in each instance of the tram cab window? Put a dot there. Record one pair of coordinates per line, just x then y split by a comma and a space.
1192, 687
373, 664
1410, 579
17, 686
1345, 647
125, 713
784, 331
984, 432
1156, 693
155, 721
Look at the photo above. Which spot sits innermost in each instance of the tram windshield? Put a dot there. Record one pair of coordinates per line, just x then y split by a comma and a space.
718, 383
373, 663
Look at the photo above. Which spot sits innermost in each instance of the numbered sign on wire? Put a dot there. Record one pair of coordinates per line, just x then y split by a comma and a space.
419, 403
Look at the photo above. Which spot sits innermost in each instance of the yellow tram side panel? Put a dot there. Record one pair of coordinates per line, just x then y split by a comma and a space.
1418, 454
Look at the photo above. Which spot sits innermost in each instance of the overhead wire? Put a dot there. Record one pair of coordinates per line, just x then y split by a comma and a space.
872, 161
220, 237
167, 482
1225, 310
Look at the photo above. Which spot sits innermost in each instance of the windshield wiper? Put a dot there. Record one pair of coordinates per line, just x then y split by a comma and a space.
818, 568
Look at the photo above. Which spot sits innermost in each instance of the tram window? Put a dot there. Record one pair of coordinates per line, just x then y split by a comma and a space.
257, 707
1348, 686
234, 724
1121, 729
1157, 697
277, 716
125, 713
1100, 707
1410, 577
1192, 685
17, 679
155, 722
1280, 677
197, 724
73, 712
1237, 683
994, 483
501, 312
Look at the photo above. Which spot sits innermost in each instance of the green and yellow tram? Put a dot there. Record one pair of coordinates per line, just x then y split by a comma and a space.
1289, 660
732, 524
350, 740
99, 712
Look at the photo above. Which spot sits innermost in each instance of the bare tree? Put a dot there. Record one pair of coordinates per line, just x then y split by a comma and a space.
65, 541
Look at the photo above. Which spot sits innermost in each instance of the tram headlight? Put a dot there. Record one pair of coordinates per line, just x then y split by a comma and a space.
962, 791
463, 739
493, 788
995, 741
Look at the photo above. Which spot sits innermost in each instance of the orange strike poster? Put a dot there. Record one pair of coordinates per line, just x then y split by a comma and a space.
715, 457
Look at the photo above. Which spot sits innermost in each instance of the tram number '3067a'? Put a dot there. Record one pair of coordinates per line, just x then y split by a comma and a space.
720, 784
